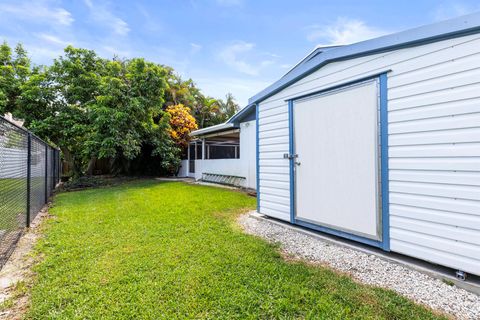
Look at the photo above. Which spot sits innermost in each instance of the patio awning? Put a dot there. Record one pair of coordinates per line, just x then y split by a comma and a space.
219, 129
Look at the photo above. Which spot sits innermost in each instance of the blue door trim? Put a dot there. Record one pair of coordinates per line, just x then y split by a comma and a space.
342, 85
257, 138
384, 161
383, 101
291, 150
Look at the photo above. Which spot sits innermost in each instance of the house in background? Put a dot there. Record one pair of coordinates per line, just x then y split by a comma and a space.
224, 153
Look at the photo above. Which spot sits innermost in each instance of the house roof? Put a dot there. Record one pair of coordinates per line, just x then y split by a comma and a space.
457, 27
211, 129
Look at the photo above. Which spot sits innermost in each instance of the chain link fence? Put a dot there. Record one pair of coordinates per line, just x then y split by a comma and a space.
29, 172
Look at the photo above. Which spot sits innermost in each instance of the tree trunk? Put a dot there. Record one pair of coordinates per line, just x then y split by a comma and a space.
91, 166
74, 167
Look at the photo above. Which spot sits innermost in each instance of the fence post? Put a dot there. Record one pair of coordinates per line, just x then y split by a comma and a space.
46, 173
29, 174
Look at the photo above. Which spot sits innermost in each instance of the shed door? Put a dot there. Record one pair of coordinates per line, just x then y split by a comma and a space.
336, 139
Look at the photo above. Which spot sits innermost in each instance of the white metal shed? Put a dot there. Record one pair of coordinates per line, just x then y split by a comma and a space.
379, 142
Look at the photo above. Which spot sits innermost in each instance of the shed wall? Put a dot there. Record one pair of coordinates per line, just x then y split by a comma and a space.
434, 146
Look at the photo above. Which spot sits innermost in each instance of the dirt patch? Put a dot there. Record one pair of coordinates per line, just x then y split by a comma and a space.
16, 275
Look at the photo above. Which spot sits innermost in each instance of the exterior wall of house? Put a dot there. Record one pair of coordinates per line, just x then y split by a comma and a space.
183, 172
434, 146
245, 166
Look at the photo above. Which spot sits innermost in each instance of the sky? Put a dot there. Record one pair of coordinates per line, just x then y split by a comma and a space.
236, 46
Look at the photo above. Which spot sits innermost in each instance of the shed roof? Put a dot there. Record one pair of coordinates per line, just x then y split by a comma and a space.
322, 55
452, 28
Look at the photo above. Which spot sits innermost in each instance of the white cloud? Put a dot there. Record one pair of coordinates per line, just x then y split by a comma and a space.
37, 12
230, 55
194, 48
452, 10
101, 14
52, 39
237, 53
343, 31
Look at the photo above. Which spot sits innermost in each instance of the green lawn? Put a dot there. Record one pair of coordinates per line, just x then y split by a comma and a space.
168, 250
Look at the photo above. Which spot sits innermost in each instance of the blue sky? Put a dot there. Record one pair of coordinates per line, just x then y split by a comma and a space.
236, 46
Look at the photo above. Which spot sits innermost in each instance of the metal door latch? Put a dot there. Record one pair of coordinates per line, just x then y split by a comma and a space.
289, 156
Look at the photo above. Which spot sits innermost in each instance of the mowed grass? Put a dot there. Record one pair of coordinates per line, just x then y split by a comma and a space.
169, 250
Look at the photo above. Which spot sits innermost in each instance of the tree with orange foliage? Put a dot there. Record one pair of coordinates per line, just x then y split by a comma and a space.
181, 124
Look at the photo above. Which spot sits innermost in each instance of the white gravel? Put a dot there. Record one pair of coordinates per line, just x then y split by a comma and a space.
368, 268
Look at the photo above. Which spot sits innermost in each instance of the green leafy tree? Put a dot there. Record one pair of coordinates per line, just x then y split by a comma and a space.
128, 112
227, 108
14, 72
95, 108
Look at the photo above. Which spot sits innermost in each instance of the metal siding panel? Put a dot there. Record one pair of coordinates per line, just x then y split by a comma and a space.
436, 203
274, 140
274, 184
436, 150
454, 247
436, 190
444, 177
273, 163
268, 105
275, 147
271, 155
273, 111
273, 133
273, 126
451, 79
274, 177
471, 120
434, 137
438, 62
435, 256
457, 93
436, 110
444, 231
276, 192
275, 206
275, 199
456, 164
436, 216
276, 118
275, 213
279, 170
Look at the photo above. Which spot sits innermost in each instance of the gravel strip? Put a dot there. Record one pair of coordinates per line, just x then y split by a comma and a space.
369, 269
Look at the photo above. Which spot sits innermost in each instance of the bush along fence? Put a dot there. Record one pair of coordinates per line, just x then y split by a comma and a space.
29, 172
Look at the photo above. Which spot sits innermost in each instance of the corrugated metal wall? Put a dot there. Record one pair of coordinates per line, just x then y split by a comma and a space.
434, 146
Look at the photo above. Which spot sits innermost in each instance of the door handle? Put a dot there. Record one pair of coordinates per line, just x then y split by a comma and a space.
298, 163
290, 156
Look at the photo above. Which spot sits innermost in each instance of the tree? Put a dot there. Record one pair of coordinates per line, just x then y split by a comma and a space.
94, 108
14, 72
128, 111
181, 124
227, 108
207, 111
